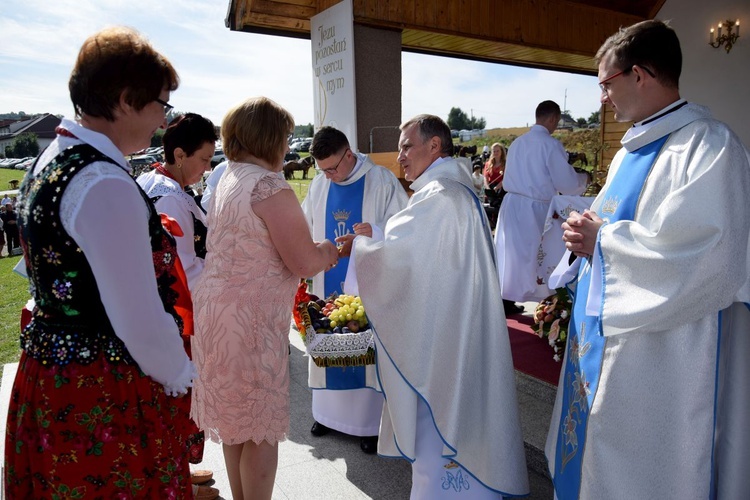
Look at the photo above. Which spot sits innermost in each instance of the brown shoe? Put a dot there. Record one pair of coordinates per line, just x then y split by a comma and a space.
205, 492
201, 476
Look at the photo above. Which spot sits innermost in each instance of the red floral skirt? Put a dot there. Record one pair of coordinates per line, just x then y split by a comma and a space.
94, 431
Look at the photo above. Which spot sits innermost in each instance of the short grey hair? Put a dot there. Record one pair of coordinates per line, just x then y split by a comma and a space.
432, 126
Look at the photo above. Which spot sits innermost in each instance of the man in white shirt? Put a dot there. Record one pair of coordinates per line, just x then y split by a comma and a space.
537, 169
654, 395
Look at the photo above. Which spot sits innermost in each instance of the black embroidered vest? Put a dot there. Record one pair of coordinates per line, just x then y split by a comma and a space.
69, 322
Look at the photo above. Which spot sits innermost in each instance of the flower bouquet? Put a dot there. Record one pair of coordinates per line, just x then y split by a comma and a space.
335, 331
551, 320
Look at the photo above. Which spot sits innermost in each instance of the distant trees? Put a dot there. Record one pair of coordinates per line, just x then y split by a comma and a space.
303, 130
157, 137
15, 116
594, 118
459, 120
22, 146
565, 115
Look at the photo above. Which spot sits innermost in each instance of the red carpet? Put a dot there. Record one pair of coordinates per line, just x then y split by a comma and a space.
531, 355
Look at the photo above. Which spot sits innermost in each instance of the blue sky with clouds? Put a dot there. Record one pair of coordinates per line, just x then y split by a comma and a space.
39, 40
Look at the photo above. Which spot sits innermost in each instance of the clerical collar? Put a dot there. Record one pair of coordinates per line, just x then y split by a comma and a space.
664, 112
356, 167
438, 161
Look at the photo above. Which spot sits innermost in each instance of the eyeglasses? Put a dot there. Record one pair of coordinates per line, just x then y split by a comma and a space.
605, 88
167, 107
333, 170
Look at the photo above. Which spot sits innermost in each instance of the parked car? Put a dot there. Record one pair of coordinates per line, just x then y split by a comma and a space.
15, 164
26, 164
218, 157
303, 146
141, 163
291, 156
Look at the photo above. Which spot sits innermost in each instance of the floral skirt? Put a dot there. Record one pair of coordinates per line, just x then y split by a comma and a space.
94, 431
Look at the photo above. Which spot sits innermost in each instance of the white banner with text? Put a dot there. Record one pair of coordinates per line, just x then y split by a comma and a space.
332, 36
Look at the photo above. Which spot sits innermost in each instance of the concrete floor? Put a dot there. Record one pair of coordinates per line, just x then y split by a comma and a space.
333, 466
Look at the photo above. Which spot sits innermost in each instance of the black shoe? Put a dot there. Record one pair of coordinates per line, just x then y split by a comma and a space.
511, 308
369, 444
319, 429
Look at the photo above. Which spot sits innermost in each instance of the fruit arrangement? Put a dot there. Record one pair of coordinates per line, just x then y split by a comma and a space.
335, 331
551, 320
341, 314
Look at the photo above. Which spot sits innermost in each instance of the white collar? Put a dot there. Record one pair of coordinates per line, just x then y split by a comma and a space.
661, 113
99, 141
672, 119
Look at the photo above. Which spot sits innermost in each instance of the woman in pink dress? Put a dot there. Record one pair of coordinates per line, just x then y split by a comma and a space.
259, 245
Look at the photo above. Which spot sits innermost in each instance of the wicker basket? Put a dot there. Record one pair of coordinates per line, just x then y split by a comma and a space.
335, 349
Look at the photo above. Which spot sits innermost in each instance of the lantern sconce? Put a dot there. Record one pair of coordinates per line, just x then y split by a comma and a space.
727, 39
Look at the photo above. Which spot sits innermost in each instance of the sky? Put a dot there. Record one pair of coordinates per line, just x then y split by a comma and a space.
218, 68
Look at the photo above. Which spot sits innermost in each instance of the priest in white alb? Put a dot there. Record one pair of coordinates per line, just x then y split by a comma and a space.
536, 170
429, 285
654, 396
350, 190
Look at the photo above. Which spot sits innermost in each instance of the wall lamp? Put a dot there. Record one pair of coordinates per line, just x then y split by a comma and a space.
727, 39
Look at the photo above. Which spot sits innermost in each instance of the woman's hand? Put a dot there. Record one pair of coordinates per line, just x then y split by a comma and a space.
345, 244
332, 253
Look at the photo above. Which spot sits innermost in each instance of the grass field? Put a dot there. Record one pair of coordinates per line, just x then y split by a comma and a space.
14, 292
9, 174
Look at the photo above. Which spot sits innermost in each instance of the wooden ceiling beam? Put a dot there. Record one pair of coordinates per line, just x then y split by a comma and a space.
554, 34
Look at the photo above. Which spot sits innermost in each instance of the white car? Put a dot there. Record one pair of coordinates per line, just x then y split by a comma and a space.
218, 157
15, 164
25, 164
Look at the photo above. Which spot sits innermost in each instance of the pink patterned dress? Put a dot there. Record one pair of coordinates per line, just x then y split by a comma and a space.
242, 309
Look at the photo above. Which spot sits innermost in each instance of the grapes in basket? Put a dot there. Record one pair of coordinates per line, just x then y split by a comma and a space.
337, 314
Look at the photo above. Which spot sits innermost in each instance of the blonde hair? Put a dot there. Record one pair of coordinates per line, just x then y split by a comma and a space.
501, 162
258, 126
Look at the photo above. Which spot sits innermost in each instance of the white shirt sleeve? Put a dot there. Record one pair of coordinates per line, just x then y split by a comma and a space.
564, 177
211, 183
176, 209
351, 285
108, 221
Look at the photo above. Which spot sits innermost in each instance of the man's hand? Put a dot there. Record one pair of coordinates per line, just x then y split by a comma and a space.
580, 232
363, 229
345, 244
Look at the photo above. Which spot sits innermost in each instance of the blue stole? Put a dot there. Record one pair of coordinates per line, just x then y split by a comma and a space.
343, 210
585, 339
